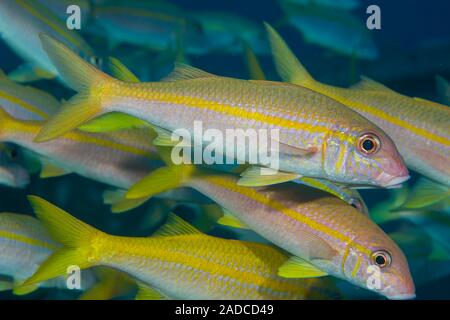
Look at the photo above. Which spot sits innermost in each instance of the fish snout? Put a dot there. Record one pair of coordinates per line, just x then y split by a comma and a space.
394, 174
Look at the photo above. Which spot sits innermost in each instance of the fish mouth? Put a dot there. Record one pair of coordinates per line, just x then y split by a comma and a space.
403, 296
386, 180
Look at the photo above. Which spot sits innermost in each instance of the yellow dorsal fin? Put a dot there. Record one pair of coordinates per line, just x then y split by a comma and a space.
288, 66
185, 72
229, 220
175, 226
50, 170
121, 72
369, 84
254, 67
147, 293
296, 267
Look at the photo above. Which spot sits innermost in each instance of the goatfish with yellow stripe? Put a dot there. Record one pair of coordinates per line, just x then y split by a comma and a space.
419, 128
317, 136
177, 262
325, 234
21, 22
119, 158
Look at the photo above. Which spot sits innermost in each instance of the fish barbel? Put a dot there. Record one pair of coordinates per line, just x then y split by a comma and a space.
317, 136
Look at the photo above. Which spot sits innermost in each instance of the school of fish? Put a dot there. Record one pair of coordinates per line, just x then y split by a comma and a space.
296, 228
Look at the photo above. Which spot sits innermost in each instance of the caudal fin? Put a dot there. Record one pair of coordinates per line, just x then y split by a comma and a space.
75, 236
82, 77
288, 66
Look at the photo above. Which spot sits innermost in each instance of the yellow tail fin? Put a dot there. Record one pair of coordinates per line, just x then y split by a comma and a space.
81, 77
75, 236
288, 66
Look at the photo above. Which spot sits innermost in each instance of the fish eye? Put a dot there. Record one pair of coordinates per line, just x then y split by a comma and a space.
381, 259
369, 144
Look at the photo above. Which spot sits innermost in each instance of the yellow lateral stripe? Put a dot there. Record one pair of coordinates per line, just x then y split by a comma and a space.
26, 240
356, 267
62, 32
226, 109
23, 104
387, 117
278, 206
77, 136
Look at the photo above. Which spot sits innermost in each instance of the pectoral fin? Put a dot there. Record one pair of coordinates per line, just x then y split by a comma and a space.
296, 267
256, 176
148, 293
229, 220
49, 170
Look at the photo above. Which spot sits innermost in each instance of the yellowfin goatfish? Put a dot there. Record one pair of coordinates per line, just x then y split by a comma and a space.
332, 28
327, 235
419, 128
21, 22
178, 262
318, 137
24, 245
